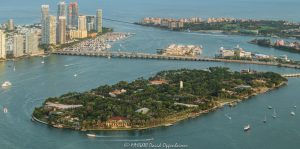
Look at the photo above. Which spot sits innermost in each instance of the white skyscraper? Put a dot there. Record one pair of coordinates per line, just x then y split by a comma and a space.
82, 23
31, 43
99, 21
44, 16
18, 45
61, 9
2, 45
50, 35
61, 32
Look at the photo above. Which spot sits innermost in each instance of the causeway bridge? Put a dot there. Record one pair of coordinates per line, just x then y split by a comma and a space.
138, 55
291, 75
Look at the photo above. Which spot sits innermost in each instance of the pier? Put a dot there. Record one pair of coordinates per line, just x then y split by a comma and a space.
137, 55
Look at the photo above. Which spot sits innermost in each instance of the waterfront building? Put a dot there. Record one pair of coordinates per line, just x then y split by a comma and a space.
18, 45
226, 53
279, 43
44, 16
73, 15
181, 85
31, 43
99, 21
61, 33
50, 34
82, 23
118, 122
10, 25
73, 34
61, 9
2, 45
90, 23
236, 52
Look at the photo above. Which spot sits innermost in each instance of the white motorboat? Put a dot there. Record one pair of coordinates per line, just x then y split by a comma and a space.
293, 113
246, 128
91, 135
6, 84
75, 75
5, 110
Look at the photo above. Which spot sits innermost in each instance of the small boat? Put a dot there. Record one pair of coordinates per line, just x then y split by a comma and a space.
14, 68
75, 75
265, 119
5, 110
293, 113
270, 107
274, 114
295, 107
108, 57
151, 139
6, 84
229, 117
169, 124
43, 61
247, 127
91, 135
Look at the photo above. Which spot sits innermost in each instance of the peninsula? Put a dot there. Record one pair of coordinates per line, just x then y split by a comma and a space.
164, 99
278, 44
270, 28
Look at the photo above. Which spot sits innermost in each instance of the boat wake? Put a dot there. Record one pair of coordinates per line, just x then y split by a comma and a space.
67, 65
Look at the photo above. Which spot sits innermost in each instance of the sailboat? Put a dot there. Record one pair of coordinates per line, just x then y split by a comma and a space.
265, 120
274, 114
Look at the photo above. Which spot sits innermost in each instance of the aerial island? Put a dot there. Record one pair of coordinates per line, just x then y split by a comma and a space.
162, 100
278, 44
271, 28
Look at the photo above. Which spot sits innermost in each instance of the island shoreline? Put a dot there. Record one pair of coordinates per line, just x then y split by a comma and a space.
186, 117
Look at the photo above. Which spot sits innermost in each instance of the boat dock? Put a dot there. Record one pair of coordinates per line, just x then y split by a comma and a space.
137, 55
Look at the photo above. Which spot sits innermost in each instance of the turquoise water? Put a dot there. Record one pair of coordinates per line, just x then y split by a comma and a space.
33, 81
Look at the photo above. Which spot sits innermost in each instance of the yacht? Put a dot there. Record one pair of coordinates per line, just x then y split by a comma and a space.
5, 110
91, 135
293, 113
246, 128
6, 84
274, 114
